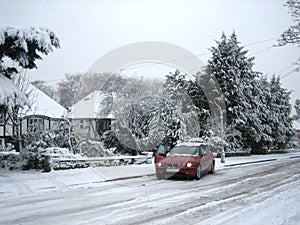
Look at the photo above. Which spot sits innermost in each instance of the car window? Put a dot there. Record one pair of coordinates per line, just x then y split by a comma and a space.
161, 149
203, 149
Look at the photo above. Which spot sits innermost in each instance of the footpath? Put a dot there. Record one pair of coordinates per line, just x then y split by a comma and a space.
20, 183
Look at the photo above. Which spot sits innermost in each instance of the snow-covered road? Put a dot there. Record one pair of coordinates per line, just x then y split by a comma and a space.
262, 193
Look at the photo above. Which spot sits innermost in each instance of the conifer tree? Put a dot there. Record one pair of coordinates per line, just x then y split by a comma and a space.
281, 121
237, 80
258, 110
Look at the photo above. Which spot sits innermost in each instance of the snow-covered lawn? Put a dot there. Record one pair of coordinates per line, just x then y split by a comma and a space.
261, 193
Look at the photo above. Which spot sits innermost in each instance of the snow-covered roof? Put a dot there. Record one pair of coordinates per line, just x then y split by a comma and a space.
42, 104
10, 94
95, 105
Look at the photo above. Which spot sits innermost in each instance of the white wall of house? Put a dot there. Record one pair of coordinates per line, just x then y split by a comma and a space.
88, 119
85, 128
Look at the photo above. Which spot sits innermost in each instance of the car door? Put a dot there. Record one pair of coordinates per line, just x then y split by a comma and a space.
204, 158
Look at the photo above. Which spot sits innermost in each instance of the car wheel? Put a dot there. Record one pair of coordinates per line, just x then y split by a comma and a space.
213, 168
198, 172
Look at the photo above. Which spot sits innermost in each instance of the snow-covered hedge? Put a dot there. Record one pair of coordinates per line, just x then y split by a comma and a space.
53, 155
93, 149
38, 156
58, 153
9, 160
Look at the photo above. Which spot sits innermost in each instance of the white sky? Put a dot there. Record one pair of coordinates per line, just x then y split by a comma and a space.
89, 29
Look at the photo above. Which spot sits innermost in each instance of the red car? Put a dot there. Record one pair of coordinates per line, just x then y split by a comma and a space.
185, 159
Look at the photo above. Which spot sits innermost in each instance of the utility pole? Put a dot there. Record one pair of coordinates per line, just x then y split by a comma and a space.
222, 133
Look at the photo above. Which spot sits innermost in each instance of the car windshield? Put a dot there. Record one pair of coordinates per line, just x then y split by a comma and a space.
184, 150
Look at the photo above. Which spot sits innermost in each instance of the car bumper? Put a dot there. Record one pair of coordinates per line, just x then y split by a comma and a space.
183, 172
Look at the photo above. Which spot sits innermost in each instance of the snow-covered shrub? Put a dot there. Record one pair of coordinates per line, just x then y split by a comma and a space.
9, 160
35, 137
59, 153
38, 155
110, 140
31, 157
93, 149
41, 157
61, 158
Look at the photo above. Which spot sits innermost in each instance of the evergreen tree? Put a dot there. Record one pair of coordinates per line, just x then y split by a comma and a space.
195, 90
258, 111
233, 71
282, 127
265, 141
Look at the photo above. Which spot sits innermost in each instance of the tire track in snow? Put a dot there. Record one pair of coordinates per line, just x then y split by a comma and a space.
153, 201
242, 189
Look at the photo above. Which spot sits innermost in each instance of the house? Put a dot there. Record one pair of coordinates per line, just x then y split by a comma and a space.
91, 116
43, 114
38, 112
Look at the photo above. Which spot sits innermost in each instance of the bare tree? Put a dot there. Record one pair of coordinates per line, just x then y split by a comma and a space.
76, 86
292, 34
47, 89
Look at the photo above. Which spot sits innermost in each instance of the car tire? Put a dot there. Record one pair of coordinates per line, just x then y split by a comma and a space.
198, 172
213, 168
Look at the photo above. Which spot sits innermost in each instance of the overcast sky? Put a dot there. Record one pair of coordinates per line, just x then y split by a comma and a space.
89, 29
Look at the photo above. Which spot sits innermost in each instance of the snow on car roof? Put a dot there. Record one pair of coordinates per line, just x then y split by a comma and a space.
190, 144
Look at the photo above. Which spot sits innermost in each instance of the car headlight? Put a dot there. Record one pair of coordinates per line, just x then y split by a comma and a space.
159, 164
189, 164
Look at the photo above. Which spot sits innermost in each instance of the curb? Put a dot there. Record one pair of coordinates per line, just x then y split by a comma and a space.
127, 178
252, 162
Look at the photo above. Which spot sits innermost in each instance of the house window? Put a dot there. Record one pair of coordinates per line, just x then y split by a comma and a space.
103, 125
36, 124
2, 143
1, 118
81, 124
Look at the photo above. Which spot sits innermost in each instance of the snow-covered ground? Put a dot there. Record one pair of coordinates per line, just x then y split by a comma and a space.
260, 193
